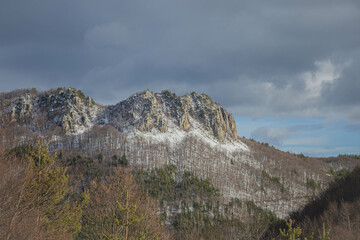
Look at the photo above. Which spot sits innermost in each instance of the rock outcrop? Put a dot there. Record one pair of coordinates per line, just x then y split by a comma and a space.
201, 108
146, 111
66, 108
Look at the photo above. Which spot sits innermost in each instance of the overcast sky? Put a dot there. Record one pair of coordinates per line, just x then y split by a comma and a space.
288, 70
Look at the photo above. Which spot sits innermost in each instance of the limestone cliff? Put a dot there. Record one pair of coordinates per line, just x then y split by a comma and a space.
146, 111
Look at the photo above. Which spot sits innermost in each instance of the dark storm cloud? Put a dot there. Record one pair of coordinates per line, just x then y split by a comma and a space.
255, 57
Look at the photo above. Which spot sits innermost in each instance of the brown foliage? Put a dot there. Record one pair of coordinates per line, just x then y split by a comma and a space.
34, 202
119, 209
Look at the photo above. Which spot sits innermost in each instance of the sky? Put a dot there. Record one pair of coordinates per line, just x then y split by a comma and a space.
287, 70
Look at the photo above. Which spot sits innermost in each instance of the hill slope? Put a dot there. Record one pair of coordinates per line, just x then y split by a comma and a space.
158, 129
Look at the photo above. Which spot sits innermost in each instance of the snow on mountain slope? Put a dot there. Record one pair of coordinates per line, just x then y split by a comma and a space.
155, 129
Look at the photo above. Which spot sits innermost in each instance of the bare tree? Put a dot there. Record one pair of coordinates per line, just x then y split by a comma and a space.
34, 197
119, 210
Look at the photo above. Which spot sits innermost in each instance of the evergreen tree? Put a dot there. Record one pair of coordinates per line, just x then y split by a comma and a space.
119, 210
123, 161
40, 195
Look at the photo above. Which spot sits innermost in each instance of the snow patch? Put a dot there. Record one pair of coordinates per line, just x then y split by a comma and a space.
197, 130
175, 135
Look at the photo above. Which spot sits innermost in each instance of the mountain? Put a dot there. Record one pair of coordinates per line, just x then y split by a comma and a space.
154, 130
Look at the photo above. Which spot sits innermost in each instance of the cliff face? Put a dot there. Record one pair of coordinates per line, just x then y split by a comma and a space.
201, 108
146, 111
155, 129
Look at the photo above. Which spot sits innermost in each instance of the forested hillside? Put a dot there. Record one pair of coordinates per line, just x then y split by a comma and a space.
157, 166
337, 208
46, 196
73, 196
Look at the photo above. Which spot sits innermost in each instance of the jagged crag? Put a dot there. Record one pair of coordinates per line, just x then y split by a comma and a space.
154, 130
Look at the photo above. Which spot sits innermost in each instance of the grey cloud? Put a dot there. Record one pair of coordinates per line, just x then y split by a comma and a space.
273, 136
249, 56
276, 136
353, 127
107, 35
345, 91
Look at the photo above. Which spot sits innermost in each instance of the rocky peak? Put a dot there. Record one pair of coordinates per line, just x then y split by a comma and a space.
64, 97
145, 111
213, 115
70, 108
177, 108
66, 107
141, 110
201, 108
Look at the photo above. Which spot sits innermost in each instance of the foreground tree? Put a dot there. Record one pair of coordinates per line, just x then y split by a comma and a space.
36, 202
119, 210
294, 233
